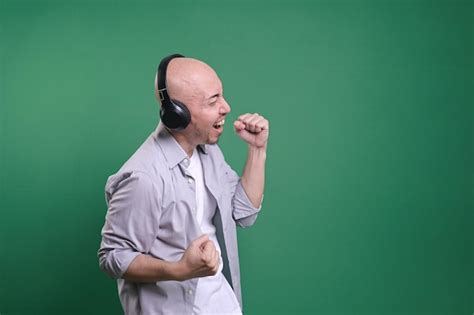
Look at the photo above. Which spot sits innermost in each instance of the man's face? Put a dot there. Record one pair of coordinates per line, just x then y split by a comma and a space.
208, 110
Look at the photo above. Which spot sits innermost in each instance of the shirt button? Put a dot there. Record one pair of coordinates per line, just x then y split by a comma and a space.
190, 180
190, 292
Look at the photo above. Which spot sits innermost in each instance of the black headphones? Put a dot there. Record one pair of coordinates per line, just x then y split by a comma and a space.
174, 114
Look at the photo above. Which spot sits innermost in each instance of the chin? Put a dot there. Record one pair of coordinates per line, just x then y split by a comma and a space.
212, 141
213, 136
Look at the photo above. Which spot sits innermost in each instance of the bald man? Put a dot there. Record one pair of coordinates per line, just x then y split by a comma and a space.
169, 236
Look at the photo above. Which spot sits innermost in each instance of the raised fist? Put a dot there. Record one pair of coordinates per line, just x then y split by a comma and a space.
253, 129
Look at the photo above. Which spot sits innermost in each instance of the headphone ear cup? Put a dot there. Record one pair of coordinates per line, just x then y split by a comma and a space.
175, 115
185, 115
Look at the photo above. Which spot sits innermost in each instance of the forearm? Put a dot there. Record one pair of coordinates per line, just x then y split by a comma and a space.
145, 268
253, 177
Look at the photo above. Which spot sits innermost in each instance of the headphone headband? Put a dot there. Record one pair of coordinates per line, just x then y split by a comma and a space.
162, 68
173, 113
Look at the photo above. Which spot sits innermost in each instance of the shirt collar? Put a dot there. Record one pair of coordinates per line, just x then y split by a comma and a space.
172, 150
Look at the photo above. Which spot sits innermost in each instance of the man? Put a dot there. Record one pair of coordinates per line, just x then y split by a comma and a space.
170, 231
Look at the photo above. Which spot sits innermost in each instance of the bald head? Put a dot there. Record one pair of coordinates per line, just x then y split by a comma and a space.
187, 80
197, 85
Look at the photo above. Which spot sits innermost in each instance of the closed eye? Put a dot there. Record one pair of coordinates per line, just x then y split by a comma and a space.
213, 100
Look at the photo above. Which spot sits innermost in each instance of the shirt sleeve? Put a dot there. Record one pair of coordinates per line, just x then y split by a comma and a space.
243, 211
131, 222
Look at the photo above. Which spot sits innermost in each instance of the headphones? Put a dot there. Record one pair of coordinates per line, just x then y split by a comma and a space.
174, 114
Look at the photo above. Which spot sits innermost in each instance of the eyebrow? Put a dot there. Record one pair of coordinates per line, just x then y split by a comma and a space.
215, 95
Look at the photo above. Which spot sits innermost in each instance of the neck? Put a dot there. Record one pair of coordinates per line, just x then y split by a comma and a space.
184, 142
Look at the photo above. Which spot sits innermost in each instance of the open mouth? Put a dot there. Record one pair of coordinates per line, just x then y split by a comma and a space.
218, 125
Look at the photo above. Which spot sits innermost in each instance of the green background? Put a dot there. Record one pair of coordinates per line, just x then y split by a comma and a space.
369, 199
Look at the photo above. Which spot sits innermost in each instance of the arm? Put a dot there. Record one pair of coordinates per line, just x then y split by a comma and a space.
131, 222
254, 130
130, 229
253, 177
145, 268
201, 259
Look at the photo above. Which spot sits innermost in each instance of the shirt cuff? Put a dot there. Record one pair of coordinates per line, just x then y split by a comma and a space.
243, 207
118, 262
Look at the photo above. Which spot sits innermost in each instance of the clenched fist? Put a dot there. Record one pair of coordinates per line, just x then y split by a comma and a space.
201, 259
253, 129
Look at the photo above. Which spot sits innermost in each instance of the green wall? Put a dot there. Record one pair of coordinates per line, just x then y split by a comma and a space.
370, 173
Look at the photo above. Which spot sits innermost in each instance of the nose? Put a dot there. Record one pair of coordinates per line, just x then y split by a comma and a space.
225, 108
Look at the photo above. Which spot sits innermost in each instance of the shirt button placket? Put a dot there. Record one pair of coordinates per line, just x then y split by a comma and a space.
190, 295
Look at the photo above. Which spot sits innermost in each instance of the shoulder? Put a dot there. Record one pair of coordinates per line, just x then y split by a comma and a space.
143, 169
131, 181
147, 159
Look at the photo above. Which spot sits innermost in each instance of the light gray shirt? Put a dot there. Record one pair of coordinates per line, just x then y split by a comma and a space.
151, 201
